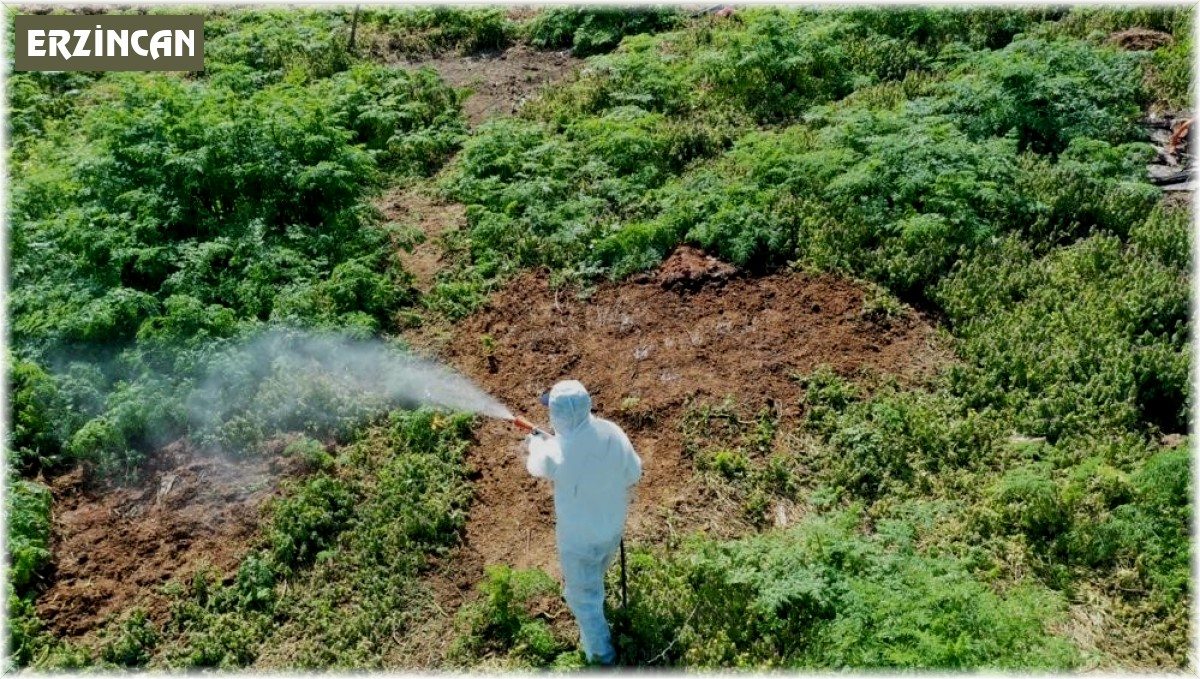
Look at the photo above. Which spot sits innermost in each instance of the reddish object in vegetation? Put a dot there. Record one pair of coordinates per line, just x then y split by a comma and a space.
1179, 134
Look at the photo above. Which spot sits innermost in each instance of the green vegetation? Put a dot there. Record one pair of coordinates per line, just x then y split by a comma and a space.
821, 595
504, 622
594, 30
336, 575
984, 166
432, 30
162, 218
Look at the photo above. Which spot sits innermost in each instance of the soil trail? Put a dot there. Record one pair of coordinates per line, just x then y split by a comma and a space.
417, 206
501, 81
646, 350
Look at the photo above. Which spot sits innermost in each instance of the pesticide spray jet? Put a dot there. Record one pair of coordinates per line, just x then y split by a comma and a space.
292, 378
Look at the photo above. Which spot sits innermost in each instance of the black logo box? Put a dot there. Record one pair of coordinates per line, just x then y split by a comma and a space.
109, 43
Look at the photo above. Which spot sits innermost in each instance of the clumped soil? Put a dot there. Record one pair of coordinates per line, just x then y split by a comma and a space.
113, 548
696, 331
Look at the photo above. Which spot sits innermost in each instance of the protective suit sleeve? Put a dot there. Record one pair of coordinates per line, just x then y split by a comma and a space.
544, 456
633, 463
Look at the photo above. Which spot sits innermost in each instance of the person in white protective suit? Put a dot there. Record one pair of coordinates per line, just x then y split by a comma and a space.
593, 467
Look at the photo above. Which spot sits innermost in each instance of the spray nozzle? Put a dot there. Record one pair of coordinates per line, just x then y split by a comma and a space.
527, 426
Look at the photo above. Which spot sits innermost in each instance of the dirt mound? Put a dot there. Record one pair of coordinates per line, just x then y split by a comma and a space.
1140, 39
646, 353
113, 548
690, 269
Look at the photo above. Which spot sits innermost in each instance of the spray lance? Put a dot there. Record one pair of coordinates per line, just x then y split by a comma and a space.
529, 427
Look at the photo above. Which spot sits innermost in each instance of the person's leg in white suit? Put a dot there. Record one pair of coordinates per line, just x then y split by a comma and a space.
583, 570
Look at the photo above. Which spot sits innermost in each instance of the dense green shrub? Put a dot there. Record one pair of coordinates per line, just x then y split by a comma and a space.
217, 625
931, 29
1093, 187
822, 595
309, 520
896, 442
180, 213
502, 621
1047, 94
1049, 340
1030, 502
40, 102
135, 639
35, 439
1148, 532
27, 506
1171, 81
223, 210
1098, 24
409, 117
592, 30
252, 49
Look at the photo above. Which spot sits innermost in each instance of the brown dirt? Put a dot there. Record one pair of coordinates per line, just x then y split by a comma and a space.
500, 80
1140, 39
646, 352
690, 269
112, 548
417, 206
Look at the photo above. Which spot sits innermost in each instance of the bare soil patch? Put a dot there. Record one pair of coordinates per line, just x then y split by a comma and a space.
417, 206
1140, 39
113, 548
500, 80
648, 350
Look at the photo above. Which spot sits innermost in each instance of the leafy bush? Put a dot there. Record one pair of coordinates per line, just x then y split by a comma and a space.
219, 203
1094, 187
1171, 80
36, 435
1148, 532
135, 640
179, 213
1048, 339
40, 102
1098, 24
1031, 503
261, 47
822, 595
216, 625
593, 30
1047, 94
410, 117
309, 520
502, 622
27, 505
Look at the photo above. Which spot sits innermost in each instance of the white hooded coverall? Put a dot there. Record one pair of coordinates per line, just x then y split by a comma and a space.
593, 466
